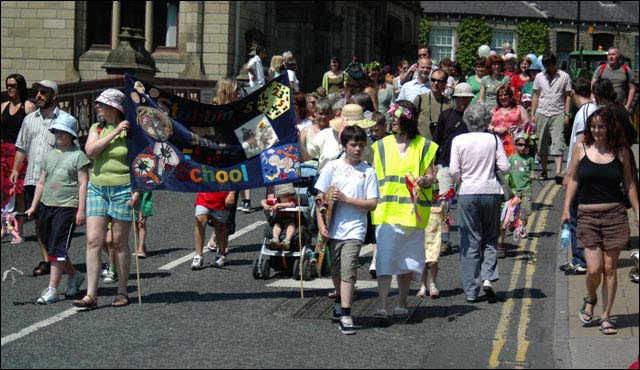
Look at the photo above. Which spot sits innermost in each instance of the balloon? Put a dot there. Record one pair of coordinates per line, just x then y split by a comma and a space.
492, 53
484, 51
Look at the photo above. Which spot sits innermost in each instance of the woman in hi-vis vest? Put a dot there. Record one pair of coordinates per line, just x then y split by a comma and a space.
404, 165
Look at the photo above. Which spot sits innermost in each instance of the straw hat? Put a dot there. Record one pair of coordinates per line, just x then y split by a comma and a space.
352, 114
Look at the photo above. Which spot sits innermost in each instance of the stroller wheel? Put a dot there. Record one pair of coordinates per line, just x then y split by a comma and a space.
256, 269
296, 269
265, 268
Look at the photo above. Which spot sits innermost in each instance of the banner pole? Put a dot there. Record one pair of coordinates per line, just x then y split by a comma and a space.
300, 248
135, 244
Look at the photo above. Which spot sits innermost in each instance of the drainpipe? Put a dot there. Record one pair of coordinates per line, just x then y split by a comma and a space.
236, 42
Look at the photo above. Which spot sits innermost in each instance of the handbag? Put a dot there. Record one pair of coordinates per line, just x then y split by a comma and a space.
506, 189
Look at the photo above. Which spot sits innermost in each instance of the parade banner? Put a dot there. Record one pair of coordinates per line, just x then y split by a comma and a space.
180, 145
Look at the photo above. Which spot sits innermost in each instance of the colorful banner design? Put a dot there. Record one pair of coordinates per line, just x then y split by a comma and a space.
180, 145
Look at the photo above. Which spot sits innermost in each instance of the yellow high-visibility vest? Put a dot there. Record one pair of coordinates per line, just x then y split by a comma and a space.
394, 204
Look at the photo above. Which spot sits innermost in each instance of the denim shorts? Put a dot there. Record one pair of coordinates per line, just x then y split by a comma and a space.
109, 201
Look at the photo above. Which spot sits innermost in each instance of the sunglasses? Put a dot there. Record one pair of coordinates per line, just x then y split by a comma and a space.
438, 81
423, 55
521, 144
12, 86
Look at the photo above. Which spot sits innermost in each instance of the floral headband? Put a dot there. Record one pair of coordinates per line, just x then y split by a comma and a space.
373, 66
399, 111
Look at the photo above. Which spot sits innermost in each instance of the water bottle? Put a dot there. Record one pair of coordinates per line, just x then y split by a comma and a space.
565, 236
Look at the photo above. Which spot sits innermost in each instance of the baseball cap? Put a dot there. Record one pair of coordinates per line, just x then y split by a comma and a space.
48, 84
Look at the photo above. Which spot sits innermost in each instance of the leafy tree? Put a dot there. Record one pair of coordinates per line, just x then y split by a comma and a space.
472, 33
533, 37
423, 35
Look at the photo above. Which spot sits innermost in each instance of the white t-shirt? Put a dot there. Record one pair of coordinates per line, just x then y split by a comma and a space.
258, 71
579, 122
359, 182
325, 147
293, 80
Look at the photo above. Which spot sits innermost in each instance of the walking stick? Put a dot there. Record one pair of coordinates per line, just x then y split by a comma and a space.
300, 248
135, 244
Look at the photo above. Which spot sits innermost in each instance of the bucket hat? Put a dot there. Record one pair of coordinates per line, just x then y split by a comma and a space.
284, 189
65, 122
463, 89
113, 98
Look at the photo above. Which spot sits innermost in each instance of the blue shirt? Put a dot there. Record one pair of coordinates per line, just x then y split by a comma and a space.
412, 89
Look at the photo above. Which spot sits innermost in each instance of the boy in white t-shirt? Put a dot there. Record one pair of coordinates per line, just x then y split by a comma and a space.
355, 193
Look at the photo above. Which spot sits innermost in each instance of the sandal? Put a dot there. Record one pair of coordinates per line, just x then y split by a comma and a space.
583, 311
86, 303
381, 313
422, 292
43, 268
400, 312
121, 300
609, 329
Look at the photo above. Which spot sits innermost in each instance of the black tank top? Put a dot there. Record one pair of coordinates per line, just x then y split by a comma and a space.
600, 183
11, 124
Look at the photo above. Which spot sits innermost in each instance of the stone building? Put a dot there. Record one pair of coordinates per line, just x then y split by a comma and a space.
69, 41
597, 24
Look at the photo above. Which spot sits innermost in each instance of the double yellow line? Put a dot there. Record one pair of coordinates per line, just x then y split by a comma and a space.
545, 197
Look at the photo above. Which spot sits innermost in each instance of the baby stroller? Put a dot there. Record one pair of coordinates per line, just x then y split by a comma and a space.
295, 258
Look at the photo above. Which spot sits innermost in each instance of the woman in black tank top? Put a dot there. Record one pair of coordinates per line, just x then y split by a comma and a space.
597, 170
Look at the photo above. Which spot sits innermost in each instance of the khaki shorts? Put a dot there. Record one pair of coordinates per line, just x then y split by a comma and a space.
344, 259
550, 131
604, 229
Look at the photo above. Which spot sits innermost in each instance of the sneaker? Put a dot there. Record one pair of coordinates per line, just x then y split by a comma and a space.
220, 261
110, 278
246, 206
372, 271
565, 266
49, 295
104, 272
488, 291
197, 263
336, 315
346, 325
575, 270
73, 284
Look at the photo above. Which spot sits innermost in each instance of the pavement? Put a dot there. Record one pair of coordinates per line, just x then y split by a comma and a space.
583, 345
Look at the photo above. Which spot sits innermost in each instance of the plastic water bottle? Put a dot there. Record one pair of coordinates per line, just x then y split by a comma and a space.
565, 236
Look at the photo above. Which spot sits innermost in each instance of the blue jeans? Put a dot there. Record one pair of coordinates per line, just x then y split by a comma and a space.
577, 253
479, 222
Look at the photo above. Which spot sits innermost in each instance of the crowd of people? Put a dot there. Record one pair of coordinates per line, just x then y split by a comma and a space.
391, 151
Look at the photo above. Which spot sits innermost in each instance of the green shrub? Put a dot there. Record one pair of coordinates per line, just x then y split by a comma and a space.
472, 33
533, 37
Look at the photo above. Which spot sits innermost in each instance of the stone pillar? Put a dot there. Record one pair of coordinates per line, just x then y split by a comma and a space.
115, 24
148, 26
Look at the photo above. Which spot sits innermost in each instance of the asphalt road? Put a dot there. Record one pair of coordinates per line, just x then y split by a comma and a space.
224, 318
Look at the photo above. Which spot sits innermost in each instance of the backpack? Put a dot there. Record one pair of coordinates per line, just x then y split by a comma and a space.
603, 66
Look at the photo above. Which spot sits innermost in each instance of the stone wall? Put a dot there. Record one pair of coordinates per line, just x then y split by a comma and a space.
38, 40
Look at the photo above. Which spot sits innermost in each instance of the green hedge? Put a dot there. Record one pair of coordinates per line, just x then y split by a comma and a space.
533, 37
472, 33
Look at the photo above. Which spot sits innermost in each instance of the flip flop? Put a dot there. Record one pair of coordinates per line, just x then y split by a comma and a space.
121, 300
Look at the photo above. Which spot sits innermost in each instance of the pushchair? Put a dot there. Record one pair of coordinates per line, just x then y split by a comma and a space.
291, 261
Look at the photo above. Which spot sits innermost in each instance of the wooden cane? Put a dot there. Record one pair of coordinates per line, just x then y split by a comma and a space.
135, 244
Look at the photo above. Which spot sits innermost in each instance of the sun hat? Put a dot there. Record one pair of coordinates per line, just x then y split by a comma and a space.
284, 189
463, 89
509, 56
48, 84
526, 97
113, 98
352, 115
65, 122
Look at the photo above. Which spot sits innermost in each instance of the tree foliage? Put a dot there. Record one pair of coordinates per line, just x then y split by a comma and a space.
423, 33
533, 37
472, 33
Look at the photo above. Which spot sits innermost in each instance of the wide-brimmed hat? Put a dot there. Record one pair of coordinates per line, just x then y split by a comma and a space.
48, 84
65, 122
113, 98
463, 89
284, 189
352, 115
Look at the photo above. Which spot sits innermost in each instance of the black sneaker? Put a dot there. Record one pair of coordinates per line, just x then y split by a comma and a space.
565, 266
246, 206
335, 316
346, 325
445, 248
575, 270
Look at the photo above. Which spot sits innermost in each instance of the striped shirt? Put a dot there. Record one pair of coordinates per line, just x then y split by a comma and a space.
36, 140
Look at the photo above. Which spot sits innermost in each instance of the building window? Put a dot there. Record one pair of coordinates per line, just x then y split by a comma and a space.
602, 41
564, 46
441, 43
99, 23
165, 23
500, 37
